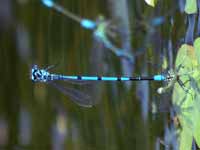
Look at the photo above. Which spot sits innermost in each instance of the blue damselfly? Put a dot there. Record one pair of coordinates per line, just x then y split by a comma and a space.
102, 29
44, 76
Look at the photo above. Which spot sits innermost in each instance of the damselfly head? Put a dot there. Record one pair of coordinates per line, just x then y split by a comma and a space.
39, 75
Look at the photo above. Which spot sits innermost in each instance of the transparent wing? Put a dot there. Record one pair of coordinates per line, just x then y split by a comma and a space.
76, 96
80, 82
106, 34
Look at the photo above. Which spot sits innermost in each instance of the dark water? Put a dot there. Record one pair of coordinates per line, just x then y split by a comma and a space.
37, 116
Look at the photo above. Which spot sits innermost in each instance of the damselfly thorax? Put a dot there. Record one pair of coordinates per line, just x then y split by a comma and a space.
171, 78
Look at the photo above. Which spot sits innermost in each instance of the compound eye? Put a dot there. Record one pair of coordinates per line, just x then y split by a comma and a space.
34, 78
38, 75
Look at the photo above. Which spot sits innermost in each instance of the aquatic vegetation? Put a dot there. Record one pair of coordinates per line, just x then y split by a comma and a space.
189, 36
191, 6
125, 38
151, 2
185, 82
187, 100
197, 49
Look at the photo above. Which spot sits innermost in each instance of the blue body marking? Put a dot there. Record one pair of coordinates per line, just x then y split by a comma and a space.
94, 78
159, 78
88, 24
71, 77
125, 78
109, 78
48, 3
158, 21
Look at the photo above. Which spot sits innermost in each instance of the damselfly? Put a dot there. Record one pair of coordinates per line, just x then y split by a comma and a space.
102, 29
44, 76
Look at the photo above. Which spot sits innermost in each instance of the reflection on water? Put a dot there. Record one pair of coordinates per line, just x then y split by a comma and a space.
36, 116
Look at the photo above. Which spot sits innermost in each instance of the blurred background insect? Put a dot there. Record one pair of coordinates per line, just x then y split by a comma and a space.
103, 30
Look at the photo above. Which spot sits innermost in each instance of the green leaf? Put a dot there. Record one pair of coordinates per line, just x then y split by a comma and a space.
185, 139
186, 101
151, 2
197, 48
196, 112
191, 6
164, 63
197, 127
